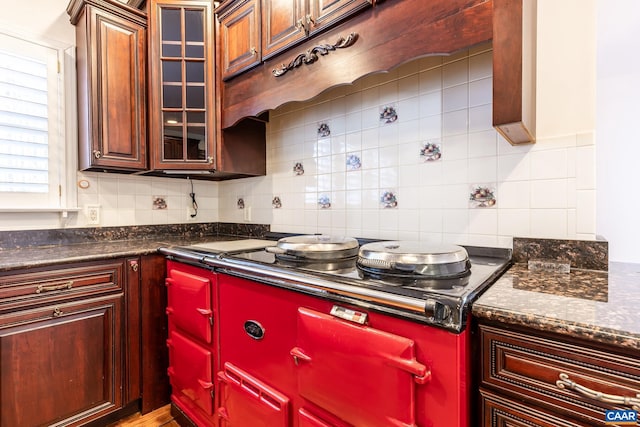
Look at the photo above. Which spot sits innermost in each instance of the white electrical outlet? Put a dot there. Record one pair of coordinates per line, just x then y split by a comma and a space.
247, 213
92, 213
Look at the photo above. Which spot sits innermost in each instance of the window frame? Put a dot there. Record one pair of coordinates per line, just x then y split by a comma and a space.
62, 195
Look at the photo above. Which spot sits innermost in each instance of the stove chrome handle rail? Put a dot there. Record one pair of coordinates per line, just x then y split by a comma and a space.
565, 383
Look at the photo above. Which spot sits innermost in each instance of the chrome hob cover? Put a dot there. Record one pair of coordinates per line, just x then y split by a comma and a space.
409, 289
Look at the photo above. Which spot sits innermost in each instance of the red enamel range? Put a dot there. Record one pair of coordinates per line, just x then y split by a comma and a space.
371, 336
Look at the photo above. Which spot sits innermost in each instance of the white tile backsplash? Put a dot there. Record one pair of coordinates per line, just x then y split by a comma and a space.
447, 100
542, 190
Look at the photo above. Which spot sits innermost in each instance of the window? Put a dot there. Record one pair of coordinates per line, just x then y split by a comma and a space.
32, 130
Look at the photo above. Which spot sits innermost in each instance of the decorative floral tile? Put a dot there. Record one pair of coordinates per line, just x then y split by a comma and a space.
276, 202
353, 162
388, 114
482, 196
240, 202
388, 200
159, 202
298, 168
323, 130
430, 151
324, 202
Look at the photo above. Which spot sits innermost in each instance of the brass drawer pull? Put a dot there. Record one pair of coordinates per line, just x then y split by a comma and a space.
43, 288
565, 383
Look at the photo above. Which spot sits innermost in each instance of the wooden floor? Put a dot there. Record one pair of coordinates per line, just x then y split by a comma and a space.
161, 417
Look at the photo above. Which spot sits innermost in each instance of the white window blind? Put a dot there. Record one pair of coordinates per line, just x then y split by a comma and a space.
31, 129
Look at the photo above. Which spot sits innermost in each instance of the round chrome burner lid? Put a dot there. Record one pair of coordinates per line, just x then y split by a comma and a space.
415, 258
316, 247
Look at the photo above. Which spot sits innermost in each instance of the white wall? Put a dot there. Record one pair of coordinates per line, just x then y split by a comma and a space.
618, 115
46, 19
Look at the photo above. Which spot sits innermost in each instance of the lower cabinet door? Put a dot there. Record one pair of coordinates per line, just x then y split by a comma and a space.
61, 365
362, 375
246, 401
190, 371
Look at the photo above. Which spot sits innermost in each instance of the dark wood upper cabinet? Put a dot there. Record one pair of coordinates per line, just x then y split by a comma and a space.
283, 24
513, 70
239, 37
325, 13
182, 128
111, 67
287, 22
387, 35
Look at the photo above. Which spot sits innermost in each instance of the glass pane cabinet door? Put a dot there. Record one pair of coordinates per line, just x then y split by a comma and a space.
182, 94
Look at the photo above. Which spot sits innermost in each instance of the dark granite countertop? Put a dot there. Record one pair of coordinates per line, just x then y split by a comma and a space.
32, 257
601, 306
39, 248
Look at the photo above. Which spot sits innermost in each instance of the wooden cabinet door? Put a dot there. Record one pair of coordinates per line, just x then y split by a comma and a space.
182, 90
61, 365
325, 13
283, 24
240, 38
112, 90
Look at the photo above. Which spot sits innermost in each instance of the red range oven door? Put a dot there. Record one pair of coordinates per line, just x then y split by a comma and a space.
189, 304
248, 402
190, 371
361, 375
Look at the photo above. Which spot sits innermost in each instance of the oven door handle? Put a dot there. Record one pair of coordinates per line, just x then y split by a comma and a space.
299, 355
420, 372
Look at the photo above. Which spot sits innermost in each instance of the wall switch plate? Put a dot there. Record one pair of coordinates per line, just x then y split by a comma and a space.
92, 212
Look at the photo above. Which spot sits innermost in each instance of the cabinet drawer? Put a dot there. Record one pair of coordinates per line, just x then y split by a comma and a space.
498, 411
59, 283
557, 375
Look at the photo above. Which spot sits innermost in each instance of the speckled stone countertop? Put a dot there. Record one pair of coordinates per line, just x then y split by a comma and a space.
601, 306
39, 248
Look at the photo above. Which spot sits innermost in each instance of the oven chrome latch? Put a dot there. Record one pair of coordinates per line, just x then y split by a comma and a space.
350, 315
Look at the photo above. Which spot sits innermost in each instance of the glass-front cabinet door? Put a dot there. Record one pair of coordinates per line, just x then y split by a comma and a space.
182, 93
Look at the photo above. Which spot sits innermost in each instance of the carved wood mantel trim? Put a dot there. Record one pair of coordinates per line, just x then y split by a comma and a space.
311, 55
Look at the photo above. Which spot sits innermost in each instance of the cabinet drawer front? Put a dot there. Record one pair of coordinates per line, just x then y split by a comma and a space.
498, 411
541, 370
190, 370
190, 304
60, 283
